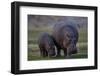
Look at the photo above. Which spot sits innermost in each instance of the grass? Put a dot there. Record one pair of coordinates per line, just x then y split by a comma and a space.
74, 56
33, 49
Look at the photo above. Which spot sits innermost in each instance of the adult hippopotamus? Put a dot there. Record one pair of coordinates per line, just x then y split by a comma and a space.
46, 45
66, 37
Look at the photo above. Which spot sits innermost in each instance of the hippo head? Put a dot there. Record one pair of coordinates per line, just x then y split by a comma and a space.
70, 43
51, 51
72, 49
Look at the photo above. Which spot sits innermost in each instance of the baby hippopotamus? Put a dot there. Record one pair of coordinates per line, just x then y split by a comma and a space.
46, 45
66, 37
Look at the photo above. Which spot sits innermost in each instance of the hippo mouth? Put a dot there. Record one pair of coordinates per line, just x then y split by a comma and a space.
74, 52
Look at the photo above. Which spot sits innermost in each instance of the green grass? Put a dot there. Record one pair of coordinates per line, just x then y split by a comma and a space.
33, 49
74, 56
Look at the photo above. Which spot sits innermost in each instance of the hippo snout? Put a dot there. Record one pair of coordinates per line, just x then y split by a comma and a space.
72, 49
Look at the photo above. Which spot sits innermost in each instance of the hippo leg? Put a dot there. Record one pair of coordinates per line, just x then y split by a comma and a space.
58, 52
68, 53
65, 52
43, 52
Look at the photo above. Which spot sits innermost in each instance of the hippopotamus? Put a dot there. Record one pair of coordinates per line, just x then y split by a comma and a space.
46, 45
65, 36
